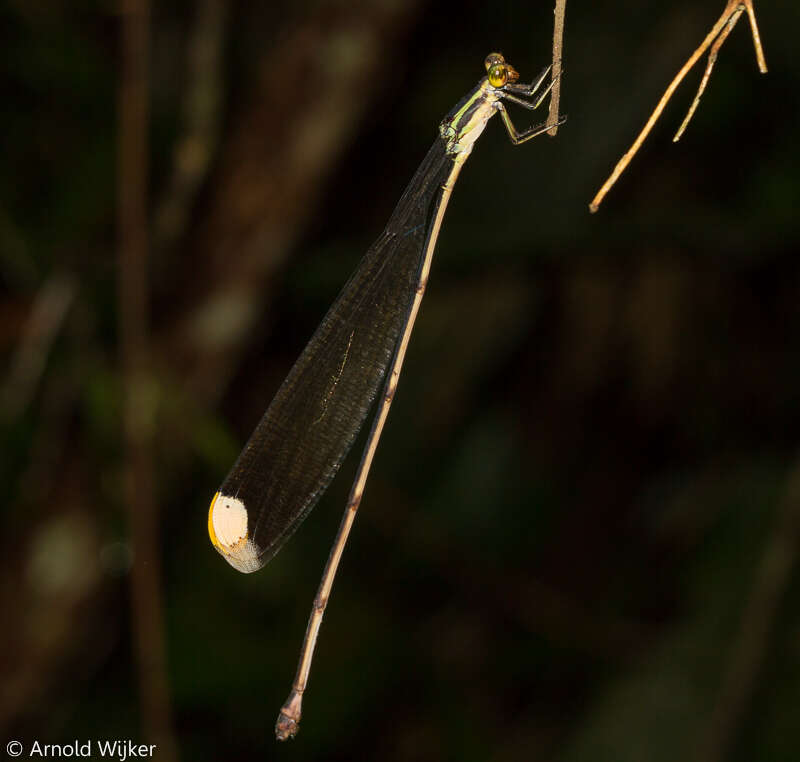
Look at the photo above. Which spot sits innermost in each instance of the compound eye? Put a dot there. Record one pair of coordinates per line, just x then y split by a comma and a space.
492, 59
498, 75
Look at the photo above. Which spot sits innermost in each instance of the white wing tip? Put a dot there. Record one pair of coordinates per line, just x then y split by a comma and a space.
228, 531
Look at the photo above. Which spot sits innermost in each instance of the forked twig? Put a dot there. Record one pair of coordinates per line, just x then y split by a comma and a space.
715, 38
712, 59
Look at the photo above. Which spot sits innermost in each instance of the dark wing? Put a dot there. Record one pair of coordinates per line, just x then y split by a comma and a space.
309, 427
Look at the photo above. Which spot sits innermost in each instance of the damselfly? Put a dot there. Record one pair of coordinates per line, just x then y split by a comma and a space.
301, 441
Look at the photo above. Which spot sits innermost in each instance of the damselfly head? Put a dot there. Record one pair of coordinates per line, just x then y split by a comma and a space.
498, 71
492, 59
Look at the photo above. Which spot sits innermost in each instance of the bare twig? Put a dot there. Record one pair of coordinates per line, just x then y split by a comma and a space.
138, 429
718, 33
772, 578
751, 14
558, 54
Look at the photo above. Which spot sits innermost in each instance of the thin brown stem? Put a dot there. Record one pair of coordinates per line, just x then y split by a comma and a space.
558, 54
721, 29
147, 609
751, 14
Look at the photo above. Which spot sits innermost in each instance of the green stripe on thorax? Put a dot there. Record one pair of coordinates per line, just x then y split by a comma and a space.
464, 124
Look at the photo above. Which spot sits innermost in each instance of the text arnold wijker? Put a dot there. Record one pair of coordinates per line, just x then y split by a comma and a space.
120, 749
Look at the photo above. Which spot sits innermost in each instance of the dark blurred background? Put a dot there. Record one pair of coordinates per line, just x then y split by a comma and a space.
579, 536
